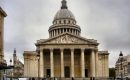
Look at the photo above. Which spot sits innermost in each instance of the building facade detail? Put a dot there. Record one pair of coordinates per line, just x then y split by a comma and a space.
18, 67
123, 69
2, 16
68, 38
66, 53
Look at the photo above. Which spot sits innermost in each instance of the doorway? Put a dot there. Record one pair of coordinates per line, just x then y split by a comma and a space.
86, 72
67, 71
48, 72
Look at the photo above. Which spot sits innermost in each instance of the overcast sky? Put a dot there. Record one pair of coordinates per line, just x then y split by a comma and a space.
107, 21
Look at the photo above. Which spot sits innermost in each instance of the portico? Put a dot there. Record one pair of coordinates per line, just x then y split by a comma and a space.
67, 62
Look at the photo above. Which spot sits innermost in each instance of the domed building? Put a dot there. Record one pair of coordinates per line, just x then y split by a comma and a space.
66, 54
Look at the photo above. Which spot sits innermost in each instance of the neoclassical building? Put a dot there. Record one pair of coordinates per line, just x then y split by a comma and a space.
66, 53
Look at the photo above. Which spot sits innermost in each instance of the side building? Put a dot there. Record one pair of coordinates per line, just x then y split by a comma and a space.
122, 66
66, 54
18, 70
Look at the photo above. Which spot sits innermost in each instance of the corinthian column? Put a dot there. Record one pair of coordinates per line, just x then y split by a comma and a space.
72, 62
96, 70
92, 63
51, 62
62, 63
41, 63
82, 64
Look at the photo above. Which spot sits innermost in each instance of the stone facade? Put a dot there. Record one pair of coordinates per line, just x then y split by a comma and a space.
2, 15
18, 67
18, 70
30, 64
125, 68
66, 53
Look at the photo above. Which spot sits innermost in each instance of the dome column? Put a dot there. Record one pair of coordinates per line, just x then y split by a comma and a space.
59, 31
56, 32
73, 31
69, 30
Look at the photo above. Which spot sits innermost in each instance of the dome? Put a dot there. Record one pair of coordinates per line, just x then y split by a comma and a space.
64, 14
64, 22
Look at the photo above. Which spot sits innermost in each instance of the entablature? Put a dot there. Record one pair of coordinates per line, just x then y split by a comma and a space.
68, 46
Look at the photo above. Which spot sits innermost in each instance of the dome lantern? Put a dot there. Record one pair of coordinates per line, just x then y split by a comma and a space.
64, 6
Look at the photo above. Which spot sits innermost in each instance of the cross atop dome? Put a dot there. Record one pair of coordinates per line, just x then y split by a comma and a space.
64, 6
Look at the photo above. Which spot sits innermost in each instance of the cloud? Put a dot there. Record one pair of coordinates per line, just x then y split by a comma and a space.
104, 20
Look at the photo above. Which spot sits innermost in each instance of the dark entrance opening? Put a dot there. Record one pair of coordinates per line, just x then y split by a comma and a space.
48, 72
86, 72
67, 71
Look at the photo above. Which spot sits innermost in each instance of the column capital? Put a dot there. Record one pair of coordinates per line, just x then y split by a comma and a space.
82, 49
41, 48
72, 49
51, 49
61, 49
94, 50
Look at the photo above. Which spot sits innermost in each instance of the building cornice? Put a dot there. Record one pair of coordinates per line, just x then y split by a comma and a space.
3, 12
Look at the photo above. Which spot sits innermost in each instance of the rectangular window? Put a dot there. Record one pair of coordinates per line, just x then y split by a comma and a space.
128, 63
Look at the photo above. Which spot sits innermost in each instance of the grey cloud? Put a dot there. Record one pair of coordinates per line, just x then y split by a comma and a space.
107, 21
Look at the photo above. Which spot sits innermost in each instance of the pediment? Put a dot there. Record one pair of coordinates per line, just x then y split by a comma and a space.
69, 39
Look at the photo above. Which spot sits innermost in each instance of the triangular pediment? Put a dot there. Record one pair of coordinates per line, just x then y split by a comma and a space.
69, 39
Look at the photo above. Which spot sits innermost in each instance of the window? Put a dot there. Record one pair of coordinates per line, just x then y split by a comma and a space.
69, 21
129, 63
60, 22
64, 21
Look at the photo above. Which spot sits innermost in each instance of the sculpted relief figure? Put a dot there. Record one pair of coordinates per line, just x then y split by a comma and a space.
66, 39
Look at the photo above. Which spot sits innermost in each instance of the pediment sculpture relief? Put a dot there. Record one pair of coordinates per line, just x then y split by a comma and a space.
67, 39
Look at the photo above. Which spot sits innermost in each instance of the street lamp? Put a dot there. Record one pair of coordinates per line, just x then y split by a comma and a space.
121, 60
38, 56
